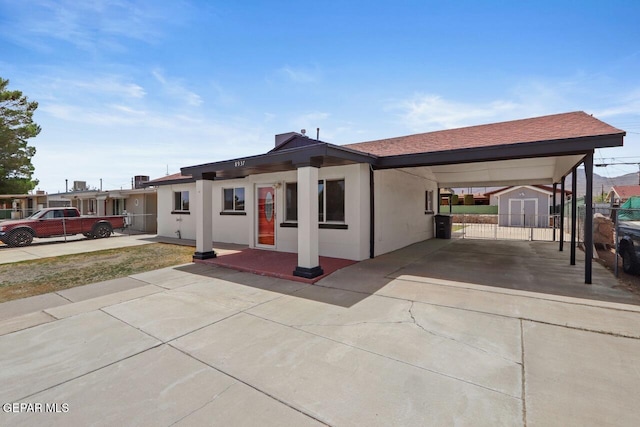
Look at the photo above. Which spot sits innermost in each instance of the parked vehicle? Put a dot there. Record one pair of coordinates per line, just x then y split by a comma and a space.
629, 245
54, 222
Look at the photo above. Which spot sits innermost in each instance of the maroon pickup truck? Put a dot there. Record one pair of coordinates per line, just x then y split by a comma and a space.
54, 222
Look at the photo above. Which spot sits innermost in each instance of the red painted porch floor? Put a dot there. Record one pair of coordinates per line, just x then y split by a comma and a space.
274, 264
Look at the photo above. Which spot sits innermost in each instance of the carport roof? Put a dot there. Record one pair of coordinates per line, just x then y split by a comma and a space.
547, 128
538, 150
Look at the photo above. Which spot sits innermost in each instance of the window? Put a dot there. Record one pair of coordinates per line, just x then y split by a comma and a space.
119, 206
330, 201
291, 201
181, 201
233, 199
428, 201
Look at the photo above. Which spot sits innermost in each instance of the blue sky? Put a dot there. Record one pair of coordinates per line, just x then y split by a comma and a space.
138, 87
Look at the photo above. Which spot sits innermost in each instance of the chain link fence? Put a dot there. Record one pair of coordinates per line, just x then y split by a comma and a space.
55, 226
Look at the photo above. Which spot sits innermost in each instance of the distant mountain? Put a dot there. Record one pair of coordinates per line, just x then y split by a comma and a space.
601, 184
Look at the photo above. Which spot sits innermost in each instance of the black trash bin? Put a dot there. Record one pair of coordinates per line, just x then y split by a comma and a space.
443, 226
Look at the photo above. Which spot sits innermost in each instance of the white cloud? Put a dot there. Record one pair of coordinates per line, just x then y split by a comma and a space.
110, 85
90, 25
430, 112
623, 105
425, 112
300, 74
176, 89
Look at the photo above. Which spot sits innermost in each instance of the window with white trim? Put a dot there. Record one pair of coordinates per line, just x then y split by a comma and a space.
233, 199
331, 200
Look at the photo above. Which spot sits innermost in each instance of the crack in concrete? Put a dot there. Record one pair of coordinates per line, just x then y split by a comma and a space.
385, 356
415, 322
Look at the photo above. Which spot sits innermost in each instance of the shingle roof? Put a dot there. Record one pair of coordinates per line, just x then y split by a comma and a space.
626, 191
176, 177
547, 128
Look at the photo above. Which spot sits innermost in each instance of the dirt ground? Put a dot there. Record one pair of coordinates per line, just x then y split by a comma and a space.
607, 257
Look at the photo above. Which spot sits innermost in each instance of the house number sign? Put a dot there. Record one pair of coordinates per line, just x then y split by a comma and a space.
239, 163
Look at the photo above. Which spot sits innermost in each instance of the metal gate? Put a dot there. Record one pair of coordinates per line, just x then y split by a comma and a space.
522, 225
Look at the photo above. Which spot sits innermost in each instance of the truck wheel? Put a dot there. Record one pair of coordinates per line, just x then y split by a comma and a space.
20, 238
102, 231
628, 261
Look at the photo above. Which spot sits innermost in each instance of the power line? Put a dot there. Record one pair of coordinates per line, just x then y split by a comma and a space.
600, 165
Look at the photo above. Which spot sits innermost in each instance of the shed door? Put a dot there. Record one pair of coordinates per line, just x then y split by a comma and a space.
515, 213
523, 212
530, 209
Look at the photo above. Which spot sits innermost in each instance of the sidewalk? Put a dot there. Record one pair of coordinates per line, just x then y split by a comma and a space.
44, 248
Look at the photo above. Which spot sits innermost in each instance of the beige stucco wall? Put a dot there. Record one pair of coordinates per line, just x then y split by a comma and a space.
399, 211
400, 208
352, 243
168, 223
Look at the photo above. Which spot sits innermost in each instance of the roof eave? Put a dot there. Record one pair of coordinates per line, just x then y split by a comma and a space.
548, 148
307, 155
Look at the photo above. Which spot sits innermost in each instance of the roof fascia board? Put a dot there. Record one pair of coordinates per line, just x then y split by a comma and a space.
307, 155
503, 152
169, 182
540, 181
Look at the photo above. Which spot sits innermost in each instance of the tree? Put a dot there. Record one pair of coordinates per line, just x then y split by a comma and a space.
16, 127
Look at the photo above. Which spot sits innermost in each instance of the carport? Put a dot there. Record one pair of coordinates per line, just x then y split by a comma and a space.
543, 150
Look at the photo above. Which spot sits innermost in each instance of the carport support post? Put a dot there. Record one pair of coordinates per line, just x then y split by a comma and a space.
574, 207
562, 214
553, 210
308, 245
588, 218
204, 220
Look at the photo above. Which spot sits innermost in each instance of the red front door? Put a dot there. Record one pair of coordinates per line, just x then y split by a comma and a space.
266, 216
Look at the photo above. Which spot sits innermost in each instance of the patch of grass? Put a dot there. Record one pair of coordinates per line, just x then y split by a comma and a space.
35, 277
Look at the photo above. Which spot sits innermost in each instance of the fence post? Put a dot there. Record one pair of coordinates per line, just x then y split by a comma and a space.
464, 227
64, 228
615, 242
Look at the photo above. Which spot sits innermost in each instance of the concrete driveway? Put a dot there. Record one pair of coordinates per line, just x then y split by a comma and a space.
372, 344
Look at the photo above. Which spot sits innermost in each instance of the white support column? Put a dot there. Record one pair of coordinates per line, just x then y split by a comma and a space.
308, 243
204, 219
101, 205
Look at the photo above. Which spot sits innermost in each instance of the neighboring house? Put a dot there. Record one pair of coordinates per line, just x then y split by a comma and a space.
621, 193
525, 205
140, 204
19, 206
175, 212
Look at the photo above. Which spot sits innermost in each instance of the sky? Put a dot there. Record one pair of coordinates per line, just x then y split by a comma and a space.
146, 87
